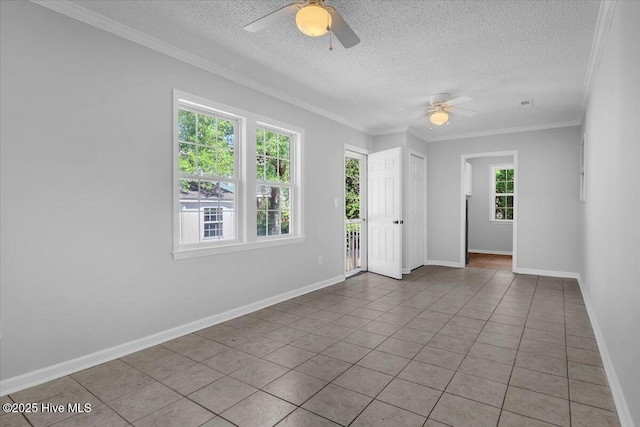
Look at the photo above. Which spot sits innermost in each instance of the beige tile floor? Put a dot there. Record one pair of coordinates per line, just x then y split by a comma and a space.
457, 347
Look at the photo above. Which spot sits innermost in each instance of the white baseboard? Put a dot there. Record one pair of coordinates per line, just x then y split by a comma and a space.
444, 263
33, 378
616, 389
484, 251
549, 273
406, 270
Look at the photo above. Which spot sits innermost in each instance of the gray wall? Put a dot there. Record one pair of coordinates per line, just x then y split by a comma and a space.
484, 234
86, 185
610, 255
548, 196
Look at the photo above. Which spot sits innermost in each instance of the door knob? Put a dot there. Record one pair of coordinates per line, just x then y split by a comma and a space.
398, 221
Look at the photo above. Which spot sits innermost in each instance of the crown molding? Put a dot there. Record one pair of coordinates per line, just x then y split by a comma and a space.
605, 15
503, 131
82, 14
387, 131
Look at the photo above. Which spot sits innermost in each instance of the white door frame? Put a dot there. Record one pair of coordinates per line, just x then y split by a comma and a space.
363, 209
463, 160
422, 156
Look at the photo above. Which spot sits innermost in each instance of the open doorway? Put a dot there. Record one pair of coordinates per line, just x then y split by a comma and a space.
355, 175
489, 210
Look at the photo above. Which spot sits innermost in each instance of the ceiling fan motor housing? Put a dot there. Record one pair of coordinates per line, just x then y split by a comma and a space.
439, 98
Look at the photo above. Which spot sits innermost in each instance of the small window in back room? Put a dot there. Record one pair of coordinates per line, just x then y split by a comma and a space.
503, 193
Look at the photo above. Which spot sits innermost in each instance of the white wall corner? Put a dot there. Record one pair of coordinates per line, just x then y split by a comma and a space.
49, 373
622, 407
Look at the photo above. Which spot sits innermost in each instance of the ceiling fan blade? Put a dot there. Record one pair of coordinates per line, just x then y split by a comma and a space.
462, 112
265, 21
458, 100
342, 30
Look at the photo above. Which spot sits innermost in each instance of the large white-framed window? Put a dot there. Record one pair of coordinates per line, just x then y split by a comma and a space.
502, 193
219, 173
275, 183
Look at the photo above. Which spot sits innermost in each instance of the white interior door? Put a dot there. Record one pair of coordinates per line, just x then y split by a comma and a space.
416, 215
385, 212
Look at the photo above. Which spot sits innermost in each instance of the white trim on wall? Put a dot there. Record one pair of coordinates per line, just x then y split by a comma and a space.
548, 273
622, 407
463, 161
30, 379
443, 263
483, 251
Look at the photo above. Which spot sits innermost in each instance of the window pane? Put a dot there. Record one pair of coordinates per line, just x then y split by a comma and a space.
272, 169
284, 222
262, 223
500, 214
501, 175
187, 160
260, 167
509, 187
285, 201
283, 171
225, 163
206, 160
352, 188
284, 147
510, 201
206, 129
226, 135
273, 222
262, 197
501, 187
509, 174
189, 215
186, 126
273, 198
260, 142
271, 144
501, 201
509, 213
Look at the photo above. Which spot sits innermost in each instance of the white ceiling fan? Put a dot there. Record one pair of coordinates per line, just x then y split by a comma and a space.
442, 105
313, 18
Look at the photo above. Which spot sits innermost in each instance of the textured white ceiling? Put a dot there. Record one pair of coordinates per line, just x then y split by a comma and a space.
497, 52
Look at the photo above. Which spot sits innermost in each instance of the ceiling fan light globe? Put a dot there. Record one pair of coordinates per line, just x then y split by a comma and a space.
439, 118
313, 20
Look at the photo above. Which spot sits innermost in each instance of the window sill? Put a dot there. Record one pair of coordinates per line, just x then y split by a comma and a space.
235, 247
502, 221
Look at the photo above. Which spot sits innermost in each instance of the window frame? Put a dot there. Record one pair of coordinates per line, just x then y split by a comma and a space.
494, 194
198, 108
293, 147
245, 221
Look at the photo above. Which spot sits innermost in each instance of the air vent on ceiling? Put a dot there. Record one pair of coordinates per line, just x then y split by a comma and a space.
527, 103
